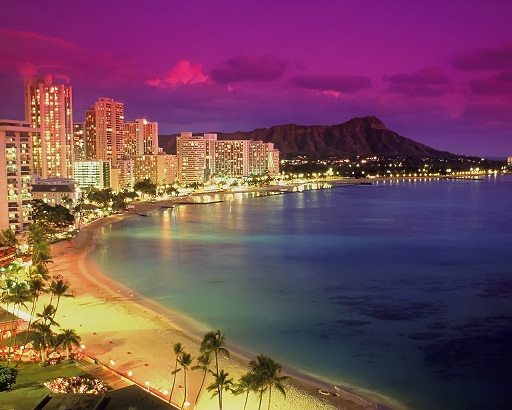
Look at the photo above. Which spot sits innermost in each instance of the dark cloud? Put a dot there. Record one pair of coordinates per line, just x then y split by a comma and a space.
497, 85
337, 83
485, 59
246, 68
428, 82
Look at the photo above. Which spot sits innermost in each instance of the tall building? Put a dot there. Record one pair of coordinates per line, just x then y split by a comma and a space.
104, 124
191, 154
140, 137
15, 173
209, 141
49, 108
232, 158
263, 158
79, 141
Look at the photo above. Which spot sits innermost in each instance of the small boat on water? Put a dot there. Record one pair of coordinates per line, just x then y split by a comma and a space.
142, 214
328, 393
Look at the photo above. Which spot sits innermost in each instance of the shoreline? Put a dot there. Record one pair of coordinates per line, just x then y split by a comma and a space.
138, 319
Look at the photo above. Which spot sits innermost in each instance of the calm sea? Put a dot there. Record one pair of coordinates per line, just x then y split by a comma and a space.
403, 287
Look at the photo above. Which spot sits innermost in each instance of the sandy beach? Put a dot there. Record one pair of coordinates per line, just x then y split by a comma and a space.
136, 335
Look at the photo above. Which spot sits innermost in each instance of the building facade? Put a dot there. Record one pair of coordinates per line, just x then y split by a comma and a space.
56, 191
49, 108
140, 137
104, 127
15, 173
159, 169
79, 141
191, 155
232, 158
92, 174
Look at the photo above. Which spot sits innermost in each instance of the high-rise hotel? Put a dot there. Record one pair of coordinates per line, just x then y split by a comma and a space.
104, 127
203, 156
15, 173
49, 108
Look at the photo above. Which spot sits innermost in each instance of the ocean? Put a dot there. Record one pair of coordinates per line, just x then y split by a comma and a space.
403, 288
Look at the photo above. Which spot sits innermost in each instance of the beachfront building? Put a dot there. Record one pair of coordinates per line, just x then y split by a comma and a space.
122, 176
104, 128
263, 159
79, 141
49, 108
209, 144
191, 155
140, 137
232, 158
15, 173
203, 157
159, 169
92, 174
56, 191
509, 160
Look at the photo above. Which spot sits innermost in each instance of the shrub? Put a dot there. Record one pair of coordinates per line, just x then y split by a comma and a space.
7, 377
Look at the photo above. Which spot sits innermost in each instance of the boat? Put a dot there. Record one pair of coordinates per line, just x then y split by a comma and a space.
328, 393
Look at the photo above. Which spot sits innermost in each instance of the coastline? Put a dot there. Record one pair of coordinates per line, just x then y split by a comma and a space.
137, 334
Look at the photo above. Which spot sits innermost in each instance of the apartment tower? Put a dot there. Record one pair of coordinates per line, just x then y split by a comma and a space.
191, 154
49, 108
104, 124
140, 137
15, 173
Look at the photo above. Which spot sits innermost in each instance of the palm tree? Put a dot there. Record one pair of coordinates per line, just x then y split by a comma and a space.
268, 372
59, 288
221, 383
68, 338
46, 316
178, 350
246, 384
5, 297
37, 286
38, 245
214, 342
203, 363
185, 360
43, 339
8, 238
19, 296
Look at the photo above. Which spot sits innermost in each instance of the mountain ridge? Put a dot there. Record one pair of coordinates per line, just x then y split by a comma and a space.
361, 136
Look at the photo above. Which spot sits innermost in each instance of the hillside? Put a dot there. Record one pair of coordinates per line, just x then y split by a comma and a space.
358, 136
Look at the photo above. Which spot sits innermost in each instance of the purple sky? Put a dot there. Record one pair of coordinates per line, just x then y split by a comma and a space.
439, 72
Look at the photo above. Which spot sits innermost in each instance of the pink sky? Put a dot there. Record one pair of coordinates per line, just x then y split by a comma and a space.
438, 72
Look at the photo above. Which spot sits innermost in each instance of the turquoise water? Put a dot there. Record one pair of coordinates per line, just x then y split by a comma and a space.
403, 288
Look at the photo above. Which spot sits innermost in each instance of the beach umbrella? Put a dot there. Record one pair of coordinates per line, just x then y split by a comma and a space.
54, 355
29, 345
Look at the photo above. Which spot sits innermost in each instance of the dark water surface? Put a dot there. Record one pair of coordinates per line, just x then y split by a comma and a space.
403, 288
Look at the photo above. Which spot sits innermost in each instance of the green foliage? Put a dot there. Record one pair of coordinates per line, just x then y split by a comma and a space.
145, 186
8, 238
7, 377
52, 217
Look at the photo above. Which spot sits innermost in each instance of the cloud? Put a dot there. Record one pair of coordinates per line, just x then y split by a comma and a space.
497, 85
428, 82
332, 84
485, 59
184, 72
246, 68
